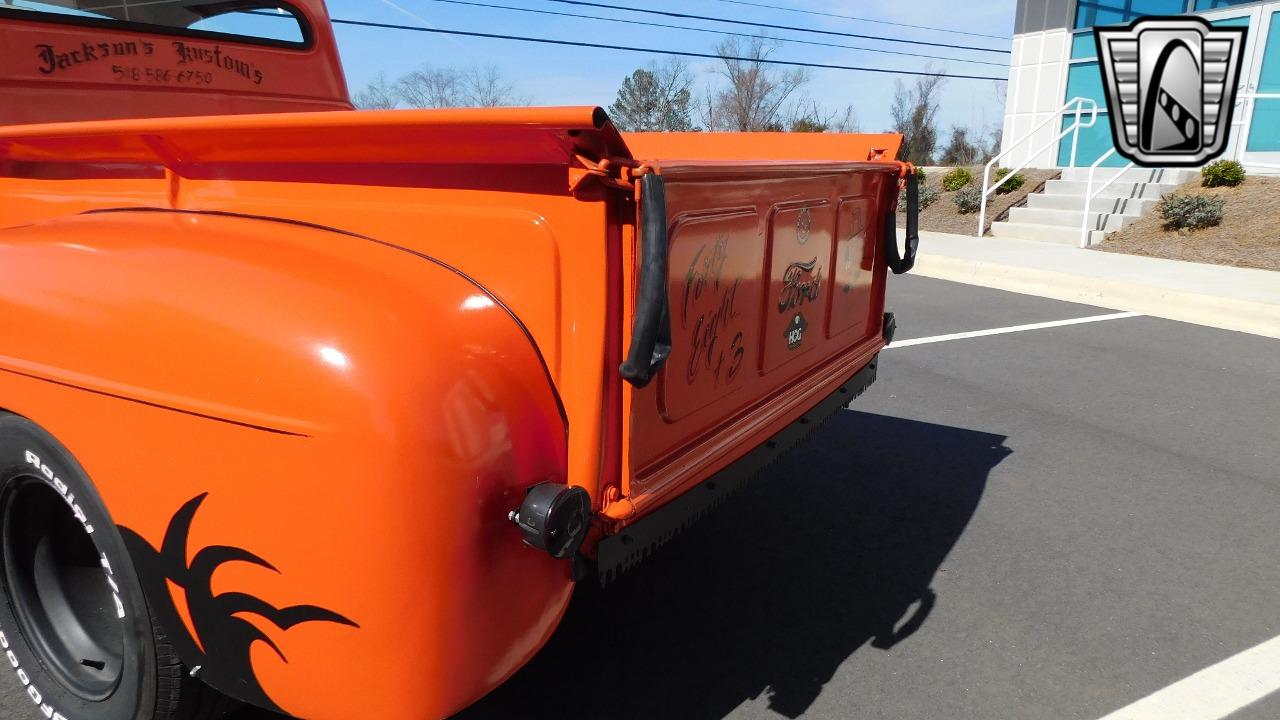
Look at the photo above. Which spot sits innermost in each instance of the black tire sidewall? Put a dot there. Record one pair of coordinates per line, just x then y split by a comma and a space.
22, 444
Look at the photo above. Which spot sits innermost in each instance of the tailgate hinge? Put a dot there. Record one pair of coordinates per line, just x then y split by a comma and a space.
904, 169
616, 172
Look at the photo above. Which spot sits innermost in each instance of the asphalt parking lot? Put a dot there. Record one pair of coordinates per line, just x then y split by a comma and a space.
1045, 524
1053, 523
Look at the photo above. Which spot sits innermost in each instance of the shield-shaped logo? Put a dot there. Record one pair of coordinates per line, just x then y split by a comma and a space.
795, 331
1171, 85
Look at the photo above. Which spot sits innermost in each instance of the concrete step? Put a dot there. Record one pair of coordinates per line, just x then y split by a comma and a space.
1070, 218
1168, 176
1125, 206
1043, 233
1120, 189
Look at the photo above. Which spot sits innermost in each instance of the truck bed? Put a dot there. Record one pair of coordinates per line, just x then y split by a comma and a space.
775, 285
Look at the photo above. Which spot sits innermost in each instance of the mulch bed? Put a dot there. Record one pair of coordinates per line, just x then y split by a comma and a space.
944, 216
1249, 235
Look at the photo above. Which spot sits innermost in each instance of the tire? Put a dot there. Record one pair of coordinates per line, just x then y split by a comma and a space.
74, 624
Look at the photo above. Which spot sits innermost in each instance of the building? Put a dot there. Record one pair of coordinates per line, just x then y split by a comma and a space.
1054, 61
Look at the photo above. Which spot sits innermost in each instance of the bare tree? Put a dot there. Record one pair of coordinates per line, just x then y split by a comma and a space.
997, 128
485, 87
655, 99
845, 121
757, 92
708, 113
961, 150
430, 88
808, 116
449, 87
915, 114
377, 95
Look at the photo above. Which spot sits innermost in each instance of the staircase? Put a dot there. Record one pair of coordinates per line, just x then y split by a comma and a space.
1055, 213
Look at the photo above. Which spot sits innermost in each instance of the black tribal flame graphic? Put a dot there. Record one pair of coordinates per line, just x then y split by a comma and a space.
222, 647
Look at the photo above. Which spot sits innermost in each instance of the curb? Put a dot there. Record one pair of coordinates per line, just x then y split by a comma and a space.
1257, 318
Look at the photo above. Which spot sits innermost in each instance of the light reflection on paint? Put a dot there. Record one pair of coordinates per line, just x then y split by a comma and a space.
81, 248
477, 302
335, 357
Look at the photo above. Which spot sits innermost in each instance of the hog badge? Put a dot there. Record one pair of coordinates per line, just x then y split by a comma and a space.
1171, 85
795, 331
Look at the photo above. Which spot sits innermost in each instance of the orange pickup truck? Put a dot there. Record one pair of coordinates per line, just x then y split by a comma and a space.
326, 411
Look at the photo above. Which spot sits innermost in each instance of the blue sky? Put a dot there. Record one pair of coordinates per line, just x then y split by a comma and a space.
556, 75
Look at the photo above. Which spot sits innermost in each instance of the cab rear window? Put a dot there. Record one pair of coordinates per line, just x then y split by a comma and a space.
265, 22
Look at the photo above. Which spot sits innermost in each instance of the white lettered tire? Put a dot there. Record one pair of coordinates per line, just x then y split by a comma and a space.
75, 631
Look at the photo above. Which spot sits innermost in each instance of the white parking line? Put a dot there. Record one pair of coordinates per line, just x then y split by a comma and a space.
1215, 692
1014, 329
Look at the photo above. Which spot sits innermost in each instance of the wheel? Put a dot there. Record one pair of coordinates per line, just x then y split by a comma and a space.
74, 625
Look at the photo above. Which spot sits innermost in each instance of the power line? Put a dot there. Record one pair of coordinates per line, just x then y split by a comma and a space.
778, 27
683, 53
709, 30
861, 19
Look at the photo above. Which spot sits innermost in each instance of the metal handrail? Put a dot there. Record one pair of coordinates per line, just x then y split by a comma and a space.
1086, 236
1079, 106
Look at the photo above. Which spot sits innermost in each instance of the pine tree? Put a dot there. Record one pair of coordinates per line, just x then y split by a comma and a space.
656, 99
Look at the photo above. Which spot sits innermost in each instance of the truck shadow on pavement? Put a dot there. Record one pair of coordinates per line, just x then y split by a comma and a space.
833, 550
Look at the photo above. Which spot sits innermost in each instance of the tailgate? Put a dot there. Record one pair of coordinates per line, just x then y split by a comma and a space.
775, 287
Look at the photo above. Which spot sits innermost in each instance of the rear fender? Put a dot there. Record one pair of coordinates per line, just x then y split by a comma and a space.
311, 441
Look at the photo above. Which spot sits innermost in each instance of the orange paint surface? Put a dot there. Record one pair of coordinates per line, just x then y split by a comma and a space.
365, 335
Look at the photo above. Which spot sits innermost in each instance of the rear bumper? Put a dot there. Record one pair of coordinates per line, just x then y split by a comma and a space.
618, 552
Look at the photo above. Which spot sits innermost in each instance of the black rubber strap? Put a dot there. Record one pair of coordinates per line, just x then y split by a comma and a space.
901, 263
651, 332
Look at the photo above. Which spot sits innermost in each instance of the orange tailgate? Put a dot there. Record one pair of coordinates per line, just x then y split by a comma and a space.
776, 294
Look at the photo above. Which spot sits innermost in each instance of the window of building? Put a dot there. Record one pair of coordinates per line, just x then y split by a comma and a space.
1118, 12
1264, 133
1269, 79
1218, 4
1084, 79
1094, 143
1083, 46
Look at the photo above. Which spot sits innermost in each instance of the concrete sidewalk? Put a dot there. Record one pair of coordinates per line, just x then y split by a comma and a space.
1224, 297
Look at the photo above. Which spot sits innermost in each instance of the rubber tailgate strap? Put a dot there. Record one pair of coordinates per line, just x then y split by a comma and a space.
901, 263
651, 332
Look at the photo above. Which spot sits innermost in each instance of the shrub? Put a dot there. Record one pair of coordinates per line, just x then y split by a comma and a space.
1191, 212
1013, 184
921, 178
956, 179
1224, 173
969, 199
928, 196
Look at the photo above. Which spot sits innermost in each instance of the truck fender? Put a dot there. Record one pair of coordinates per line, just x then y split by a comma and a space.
311, 441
